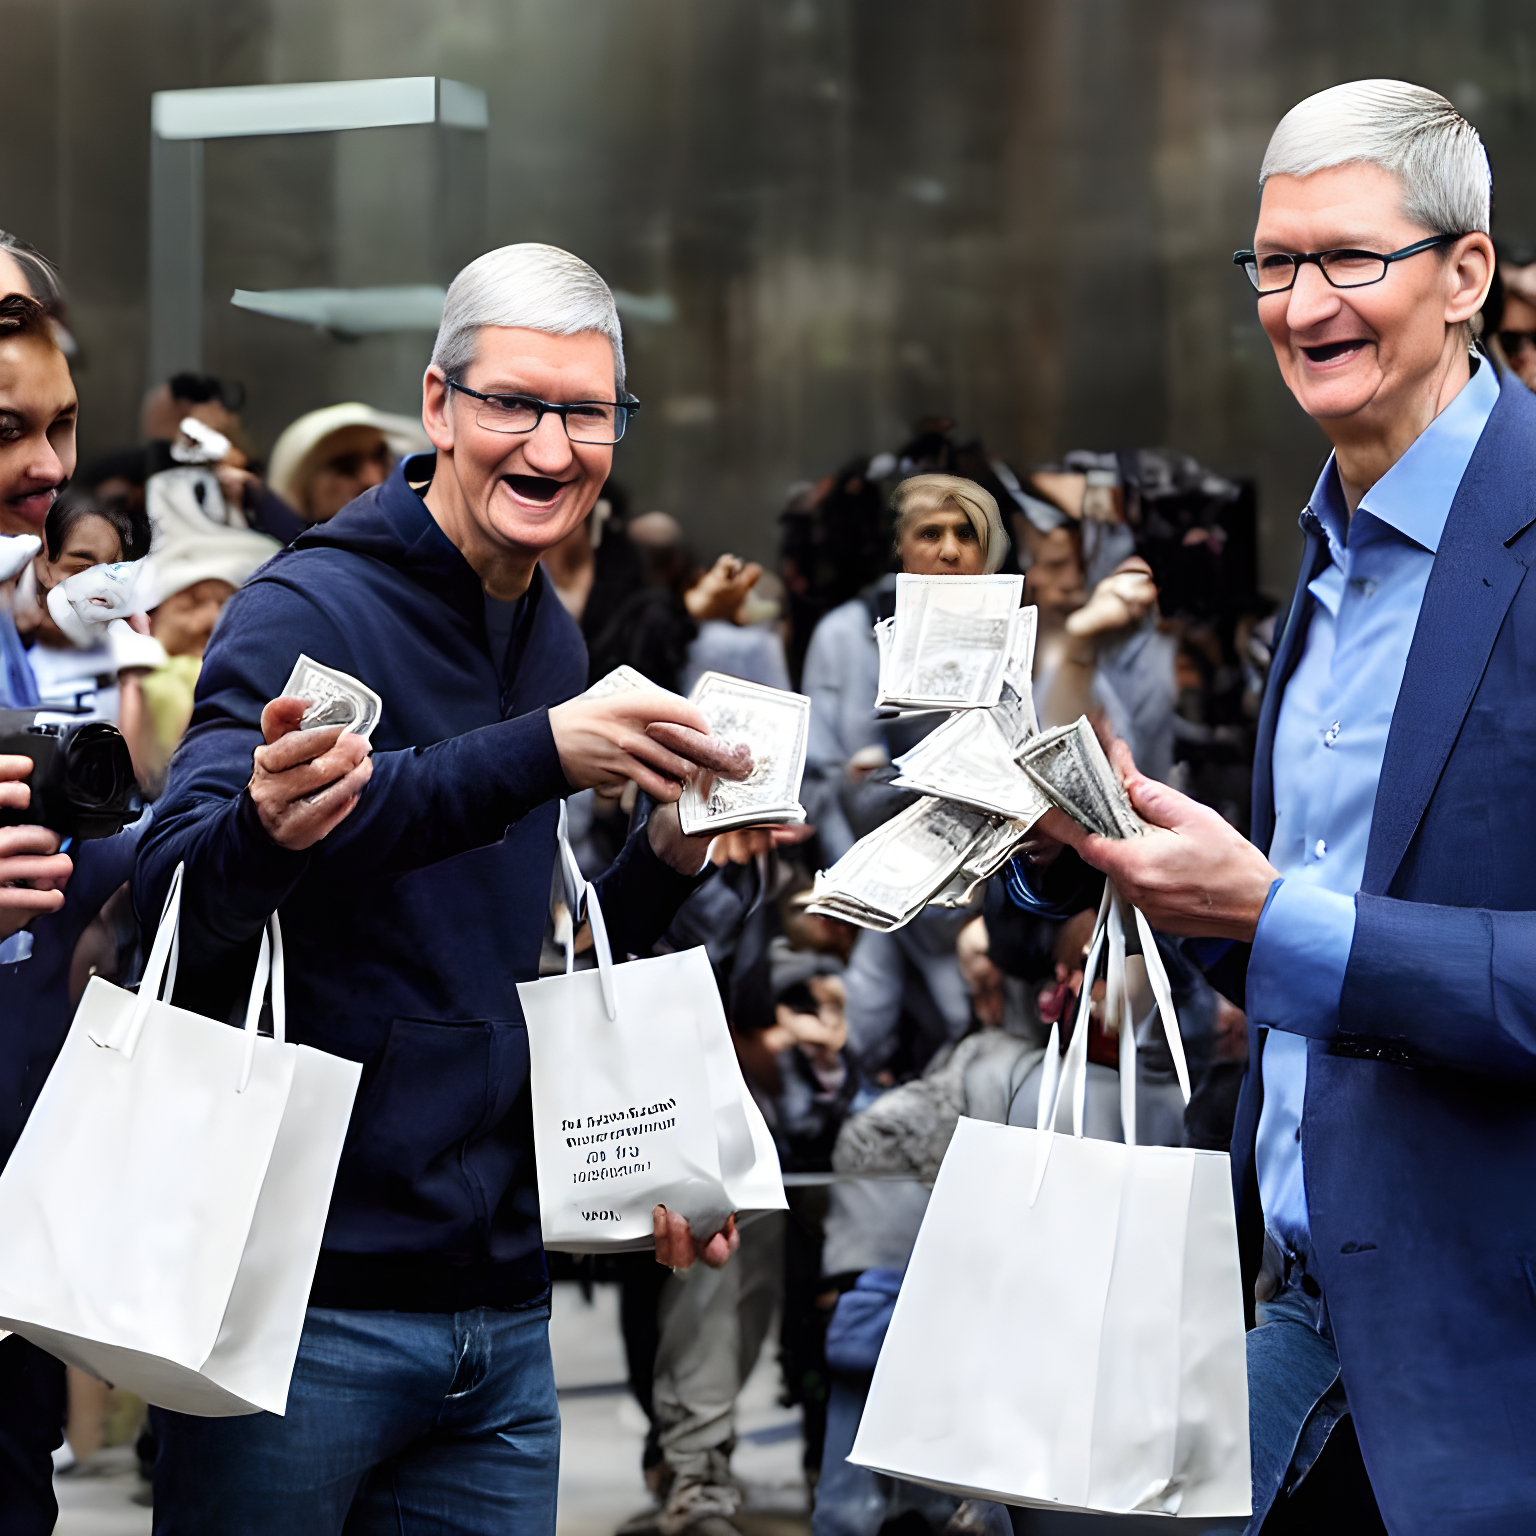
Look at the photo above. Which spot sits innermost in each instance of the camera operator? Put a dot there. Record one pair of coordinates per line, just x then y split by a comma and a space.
48, 899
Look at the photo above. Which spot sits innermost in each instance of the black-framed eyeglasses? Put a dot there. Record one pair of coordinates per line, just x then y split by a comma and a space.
1275, 271
585, 421
1514, 342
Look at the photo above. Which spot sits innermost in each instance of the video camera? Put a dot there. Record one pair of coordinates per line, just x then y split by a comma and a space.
82, 776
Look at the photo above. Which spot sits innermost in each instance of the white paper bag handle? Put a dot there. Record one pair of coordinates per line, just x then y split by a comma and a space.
160, 982
269, 964
1109, 929
581, 894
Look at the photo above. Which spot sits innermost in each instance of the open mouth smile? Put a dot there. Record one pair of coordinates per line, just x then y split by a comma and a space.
1333, 351
537, 489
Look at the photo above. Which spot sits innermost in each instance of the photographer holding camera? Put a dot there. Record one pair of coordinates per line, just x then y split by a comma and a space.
49, 899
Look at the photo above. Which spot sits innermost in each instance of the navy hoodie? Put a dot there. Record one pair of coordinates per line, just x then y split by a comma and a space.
408, 927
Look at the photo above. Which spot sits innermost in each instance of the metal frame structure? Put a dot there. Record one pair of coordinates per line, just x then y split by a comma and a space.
179, 123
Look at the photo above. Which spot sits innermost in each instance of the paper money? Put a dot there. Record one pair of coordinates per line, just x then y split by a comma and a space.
335, 698
623, 679
931, 850
970, 760
774, 726
951, 641
1069, 765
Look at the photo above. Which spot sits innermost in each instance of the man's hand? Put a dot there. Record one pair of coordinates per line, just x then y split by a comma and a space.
602, 741
677, 1247
304, 783
687, 855
32, 870
1192, 872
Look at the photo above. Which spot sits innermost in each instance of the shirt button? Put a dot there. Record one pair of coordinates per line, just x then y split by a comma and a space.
1320, 848
1331, 735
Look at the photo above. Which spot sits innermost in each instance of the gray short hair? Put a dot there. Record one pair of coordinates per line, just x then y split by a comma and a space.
1406, 129
533, 287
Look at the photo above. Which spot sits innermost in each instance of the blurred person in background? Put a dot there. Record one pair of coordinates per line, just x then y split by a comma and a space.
185, 587
943, 526
331, 456
245, 500
1508, 315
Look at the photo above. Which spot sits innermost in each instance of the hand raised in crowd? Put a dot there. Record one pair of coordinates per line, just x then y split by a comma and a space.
1193, 872
677, 1247
33, 872
602, 741
722, 589
1124, 597
304, 783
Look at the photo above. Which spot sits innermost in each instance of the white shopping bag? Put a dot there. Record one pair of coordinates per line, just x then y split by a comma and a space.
163, 1209
638, 1099
1069, 1333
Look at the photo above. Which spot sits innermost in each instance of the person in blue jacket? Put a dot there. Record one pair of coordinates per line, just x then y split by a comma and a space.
413, 880
1386, 1132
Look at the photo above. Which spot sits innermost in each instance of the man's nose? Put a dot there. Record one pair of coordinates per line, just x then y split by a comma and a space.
1312, 299
547, 448
45, 467
374, 473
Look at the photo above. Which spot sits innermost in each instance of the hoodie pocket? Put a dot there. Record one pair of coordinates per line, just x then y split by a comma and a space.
440, 1089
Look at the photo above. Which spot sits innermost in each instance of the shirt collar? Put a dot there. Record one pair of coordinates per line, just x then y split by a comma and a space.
1415, 495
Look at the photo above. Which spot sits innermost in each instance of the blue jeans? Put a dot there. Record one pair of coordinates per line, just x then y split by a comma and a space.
398, 1422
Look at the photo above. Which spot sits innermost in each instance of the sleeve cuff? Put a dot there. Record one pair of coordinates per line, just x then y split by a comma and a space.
1300, 954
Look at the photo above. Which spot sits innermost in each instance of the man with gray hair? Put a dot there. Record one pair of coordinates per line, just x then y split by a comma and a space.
413, 878
1386, 1137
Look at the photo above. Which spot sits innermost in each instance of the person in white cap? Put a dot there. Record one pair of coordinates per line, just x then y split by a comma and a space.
330, 457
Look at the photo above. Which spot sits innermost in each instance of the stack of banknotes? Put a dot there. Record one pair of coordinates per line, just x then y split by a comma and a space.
773, 727
987, 774
951, 641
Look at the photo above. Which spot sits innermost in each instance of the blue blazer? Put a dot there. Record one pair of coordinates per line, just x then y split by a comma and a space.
1419, 1125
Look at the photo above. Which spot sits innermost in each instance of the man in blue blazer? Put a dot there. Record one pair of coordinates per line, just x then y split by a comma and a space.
1385, 1151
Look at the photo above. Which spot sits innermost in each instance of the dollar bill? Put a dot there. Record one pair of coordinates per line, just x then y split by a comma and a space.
334, 698
892, 873
951, 641
970, 760
625, 679
1069, 765
775, 726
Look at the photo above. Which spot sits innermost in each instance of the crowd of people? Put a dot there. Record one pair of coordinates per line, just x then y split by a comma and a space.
479, 575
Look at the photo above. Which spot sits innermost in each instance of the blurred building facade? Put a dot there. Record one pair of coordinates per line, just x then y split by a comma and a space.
831, 217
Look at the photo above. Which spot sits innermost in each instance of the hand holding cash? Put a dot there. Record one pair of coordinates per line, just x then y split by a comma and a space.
1190, 871
304, 782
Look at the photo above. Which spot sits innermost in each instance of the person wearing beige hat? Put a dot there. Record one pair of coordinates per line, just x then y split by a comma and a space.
185, 585
329, 457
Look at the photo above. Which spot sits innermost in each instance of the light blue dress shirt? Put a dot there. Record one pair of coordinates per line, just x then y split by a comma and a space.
1330, 741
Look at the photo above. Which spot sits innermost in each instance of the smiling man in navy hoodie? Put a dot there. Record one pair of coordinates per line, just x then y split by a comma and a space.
413, 882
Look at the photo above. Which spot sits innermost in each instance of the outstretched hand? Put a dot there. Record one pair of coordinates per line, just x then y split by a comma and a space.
1192, 872
677, 1247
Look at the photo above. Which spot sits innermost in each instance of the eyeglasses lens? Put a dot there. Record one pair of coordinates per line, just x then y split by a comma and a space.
1353, 269
596, 422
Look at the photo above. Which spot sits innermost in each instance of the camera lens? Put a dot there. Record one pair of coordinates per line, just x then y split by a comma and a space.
98, 772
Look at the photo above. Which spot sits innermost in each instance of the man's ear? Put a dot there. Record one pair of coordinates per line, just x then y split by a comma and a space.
436, 410
1471, 268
